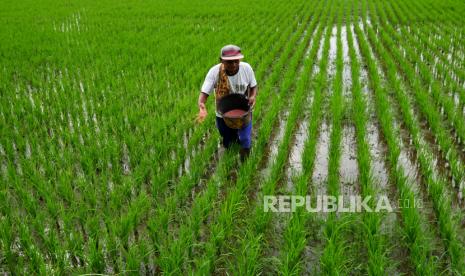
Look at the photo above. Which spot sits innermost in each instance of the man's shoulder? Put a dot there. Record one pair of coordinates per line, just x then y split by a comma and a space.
246, 66
215, 69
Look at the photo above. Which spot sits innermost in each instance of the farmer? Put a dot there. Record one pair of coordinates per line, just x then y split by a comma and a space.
230, 76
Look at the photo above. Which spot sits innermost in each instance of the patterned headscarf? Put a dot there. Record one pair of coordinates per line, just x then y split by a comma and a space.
222, 89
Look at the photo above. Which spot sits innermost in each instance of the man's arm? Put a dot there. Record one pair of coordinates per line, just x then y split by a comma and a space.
252, 96
202, 107
252, 86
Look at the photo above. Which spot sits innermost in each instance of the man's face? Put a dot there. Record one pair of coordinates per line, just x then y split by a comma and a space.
231, 66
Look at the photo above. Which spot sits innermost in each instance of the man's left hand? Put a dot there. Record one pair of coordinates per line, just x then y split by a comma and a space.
252, 102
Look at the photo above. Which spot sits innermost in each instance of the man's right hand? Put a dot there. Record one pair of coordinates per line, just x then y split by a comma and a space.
201, 116
202, 107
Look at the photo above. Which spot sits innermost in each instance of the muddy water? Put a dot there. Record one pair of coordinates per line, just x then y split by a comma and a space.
404, 161
363, 71
460, 194
276, 138
126, 161
316, 65
320, 171
346, 74
377, 151
308, 49
349, 167
332, 57
295, 157
4, 167
314, 249
184, 167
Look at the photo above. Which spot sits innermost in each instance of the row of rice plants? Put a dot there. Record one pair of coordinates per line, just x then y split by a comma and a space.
451, 79
334, 259
414, 233
440, 37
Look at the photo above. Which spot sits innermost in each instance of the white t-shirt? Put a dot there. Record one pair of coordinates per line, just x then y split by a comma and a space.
238, 83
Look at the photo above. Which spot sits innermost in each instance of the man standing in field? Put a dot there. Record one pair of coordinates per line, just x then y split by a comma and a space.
231, 75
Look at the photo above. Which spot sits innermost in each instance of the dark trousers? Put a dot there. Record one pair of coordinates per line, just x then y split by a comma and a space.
241, 136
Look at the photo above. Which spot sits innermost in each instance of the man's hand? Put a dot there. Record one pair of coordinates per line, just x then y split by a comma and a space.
252, 95
201, 116
202, 108
252, 101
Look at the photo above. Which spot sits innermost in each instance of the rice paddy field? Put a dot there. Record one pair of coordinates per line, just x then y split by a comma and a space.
104, 171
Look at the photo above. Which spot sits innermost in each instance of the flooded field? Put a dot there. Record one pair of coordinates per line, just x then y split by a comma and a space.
357, 161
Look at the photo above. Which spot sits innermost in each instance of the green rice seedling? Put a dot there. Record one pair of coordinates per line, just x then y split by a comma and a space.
450, 153
34, 256
7, 237
96, 257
